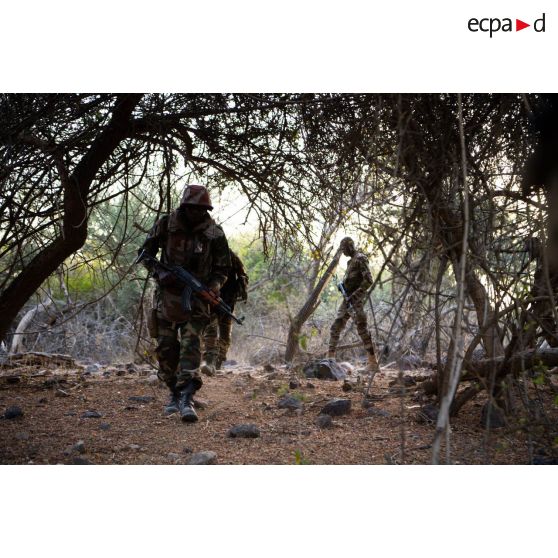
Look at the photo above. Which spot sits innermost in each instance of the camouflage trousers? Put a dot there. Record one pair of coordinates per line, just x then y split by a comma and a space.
178, 349
341, 320
217, 337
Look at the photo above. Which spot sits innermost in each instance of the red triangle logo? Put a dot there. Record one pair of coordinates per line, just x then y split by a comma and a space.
519, 25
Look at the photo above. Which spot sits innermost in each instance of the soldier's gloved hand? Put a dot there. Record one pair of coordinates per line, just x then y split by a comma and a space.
215, 288
166, 279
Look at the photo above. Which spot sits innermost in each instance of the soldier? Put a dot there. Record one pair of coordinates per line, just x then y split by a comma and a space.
188, 237
217, 338
357, 281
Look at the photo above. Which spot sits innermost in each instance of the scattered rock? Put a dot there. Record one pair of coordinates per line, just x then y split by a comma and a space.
79, 446
13, 412
141, 398
70, 414
492, 417
134, 446
427, 414
324, 369
337, 407
294, 384
200, 403
203, 458
289, 402
152, 380
120, 371
132, 368
244, 431
104, 426
81, 461
92, 369
50, 382
91, 414
347, 367
173, 456
324, 421
22, 436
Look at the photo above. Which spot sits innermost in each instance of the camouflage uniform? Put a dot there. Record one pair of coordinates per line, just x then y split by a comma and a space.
217, 336
357, 281
204, 252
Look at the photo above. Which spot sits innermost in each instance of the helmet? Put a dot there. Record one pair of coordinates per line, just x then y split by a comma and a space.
197, 195
346, 242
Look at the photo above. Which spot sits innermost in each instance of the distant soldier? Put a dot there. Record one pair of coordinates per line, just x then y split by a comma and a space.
190, 238
356, 282
217, 337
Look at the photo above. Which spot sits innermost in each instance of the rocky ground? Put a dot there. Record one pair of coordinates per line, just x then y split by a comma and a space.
248, 415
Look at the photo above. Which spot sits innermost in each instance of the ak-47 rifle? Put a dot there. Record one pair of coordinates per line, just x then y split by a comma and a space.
191, 286
347, 299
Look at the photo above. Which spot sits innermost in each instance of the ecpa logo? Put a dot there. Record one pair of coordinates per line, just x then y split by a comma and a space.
492, 25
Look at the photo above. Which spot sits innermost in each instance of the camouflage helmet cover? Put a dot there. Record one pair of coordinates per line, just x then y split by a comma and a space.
196, 195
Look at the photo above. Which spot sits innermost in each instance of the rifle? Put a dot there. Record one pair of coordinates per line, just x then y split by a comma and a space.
191, 286
347, 299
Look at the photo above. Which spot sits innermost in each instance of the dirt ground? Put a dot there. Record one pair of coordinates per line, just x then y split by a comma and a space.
131, 431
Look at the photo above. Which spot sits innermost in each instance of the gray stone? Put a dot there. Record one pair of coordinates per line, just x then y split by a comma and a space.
104, 426
427, 414
289, 402
324, 421
92, 369
324, 369
203, 458
492, 417
91, 414
173, 456
244, 431
13, 412
152, 380
141, 398
337, 407
79, 446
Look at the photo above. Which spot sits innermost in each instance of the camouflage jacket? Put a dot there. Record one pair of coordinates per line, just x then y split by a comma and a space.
358, 274
202, 250
237, 282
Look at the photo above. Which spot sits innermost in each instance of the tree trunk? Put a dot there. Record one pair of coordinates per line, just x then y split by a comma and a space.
308, 309
75, 219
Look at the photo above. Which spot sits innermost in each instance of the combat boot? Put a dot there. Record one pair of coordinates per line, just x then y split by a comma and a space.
172, 405
208, 366
186, 403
